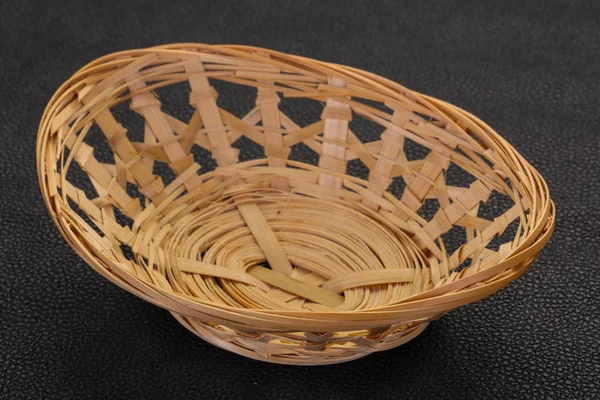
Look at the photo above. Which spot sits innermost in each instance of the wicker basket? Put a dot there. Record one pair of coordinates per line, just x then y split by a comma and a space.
410, 207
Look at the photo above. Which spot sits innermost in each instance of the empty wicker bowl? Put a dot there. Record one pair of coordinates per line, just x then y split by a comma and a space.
286, 209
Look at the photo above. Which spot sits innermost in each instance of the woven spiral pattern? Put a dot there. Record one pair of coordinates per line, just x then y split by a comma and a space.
272, 258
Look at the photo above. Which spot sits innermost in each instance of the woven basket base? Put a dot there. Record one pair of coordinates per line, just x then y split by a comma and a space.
269, 347
334, 243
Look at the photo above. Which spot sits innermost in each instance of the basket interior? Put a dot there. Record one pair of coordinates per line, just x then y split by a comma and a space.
321, 169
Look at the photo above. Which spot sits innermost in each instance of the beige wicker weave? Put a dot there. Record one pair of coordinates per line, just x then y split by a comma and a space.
275, 259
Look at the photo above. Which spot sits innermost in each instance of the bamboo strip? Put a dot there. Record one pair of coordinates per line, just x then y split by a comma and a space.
286, 283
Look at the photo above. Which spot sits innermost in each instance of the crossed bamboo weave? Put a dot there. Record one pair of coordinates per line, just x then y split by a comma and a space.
275, 259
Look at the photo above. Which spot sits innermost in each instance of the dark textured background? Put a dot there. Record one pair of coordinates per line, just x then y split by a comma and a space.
530, 68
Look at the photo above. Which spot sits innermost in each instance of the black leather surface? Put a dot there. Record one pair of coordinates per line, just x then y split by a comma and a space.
530, 68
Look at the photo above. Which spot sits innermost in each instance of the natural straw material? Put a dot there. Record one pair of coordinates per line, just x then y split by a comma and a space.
275, 259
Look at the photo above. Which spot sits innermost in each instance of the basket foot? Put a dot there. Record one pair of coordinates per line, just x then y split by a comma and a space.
283, 348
